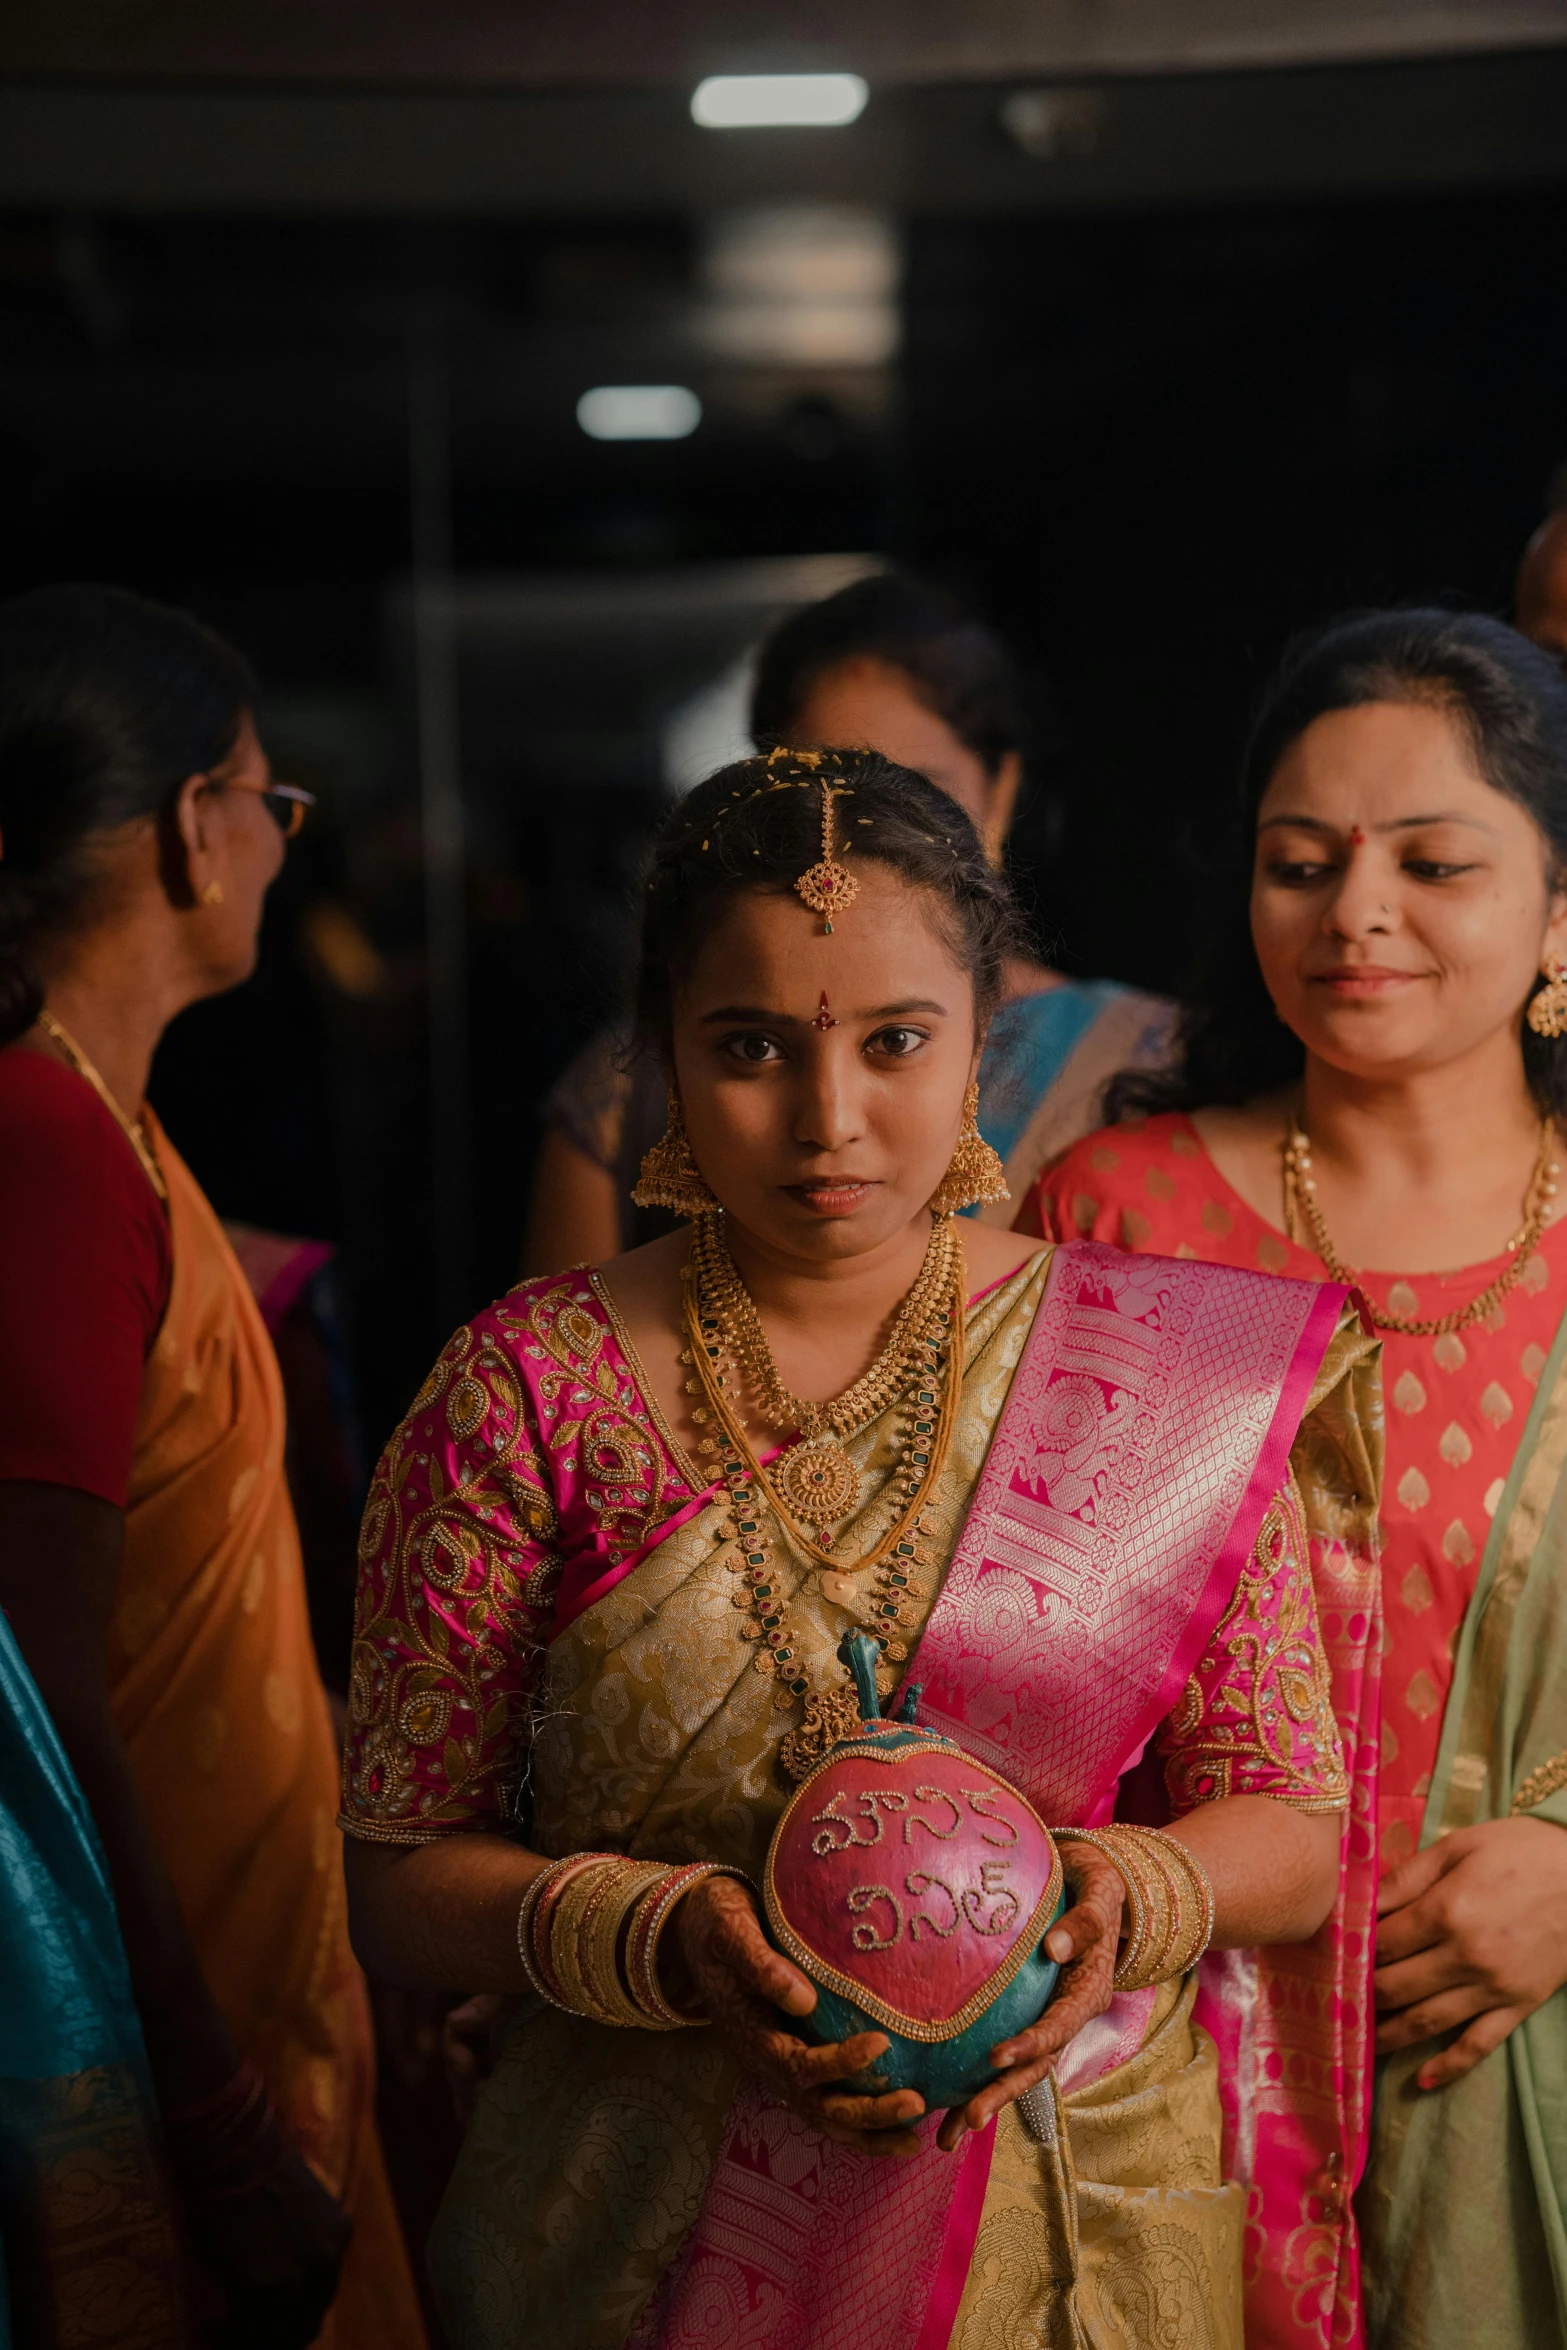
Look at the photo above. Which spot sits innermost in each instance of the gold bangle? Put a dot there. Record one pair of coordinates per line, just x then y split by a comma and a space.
649, 1920
567, 1918
1145, 1848
598, 1943
1137, 1936
1200, 1924
540, 1903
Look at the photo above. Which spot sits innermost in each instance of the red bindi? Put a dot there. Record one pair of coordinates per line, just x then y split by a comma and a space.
824, 1019
1357, 839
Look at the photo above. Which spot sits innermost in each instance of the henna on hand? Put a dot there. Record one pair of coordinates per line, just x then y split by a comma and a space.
741, 1983
1084, 1943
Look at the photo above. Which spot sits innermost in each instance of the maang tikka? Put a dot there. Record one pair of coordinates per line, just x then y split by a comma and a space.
827, 887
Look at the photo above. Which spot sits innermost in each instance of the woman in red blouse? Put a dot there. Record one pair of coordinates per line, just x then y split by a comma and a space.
149, 1562
1373, 1079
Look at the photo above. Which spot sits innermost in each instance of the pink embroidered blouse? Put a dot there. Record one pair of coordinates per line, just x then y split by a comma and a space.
533, 1472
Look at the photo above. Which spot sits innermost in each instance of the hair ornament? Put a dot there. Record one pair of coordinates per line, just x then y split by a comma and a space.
828, 887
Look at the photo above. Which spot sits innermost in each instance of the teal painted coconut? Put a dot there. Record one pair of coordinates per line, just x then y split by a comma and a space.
914, 1887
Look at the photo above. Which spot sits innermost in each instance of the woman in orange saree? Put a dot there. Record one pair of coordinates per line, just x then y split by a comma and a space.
149, 1562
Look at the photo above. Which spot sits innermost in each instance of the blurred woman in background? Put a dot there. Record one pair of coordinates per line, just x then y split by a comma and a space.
892, 666
149, 1563
1375, 1077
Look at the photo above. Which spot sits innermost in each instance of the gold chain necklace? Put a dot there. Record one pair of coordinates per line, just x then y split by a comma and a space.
816, 1477
131, 1128
1300, 1200
893, 1564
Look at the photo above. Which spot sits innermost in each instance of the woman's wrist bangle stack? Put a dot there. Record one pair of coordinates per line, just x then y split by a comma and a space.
212, 2143
588, 1935
1168, 1895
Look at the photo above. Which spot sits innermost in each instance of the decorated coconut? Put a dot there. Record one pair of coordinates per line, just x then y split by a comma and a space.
914, 1886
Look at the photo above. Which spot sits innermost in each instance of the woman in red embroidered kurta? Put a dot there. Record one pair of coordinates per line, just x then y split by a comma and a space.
1373, 1078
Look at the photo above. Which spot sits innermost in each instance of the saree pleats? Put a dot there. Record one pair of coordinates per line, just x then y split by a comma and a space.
1464, 2210
1109, 2224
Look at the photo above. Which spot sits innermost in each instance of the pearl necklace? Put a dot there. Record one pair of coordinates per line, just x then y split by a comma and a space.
1300, 1200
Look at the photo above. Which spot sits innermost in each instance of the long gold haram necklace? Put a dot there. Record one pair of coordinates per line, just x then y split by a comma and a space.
1300, 1200
130, 1127
893, 1564
815, 1477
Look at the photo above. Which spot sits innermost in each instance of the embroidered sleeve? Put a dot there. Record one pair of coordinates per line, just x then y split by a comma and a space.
1256, 1717
457, 1567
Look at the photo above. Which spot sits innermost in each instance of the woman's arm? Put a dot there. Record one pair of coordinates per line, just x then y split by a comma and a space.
441, 1915
575, 1214
1274, 1870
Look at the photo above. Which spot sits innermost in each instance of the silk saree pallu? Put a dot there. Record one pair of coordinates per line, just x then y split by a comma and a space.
1146, 1435
215, 1689
1465, 2201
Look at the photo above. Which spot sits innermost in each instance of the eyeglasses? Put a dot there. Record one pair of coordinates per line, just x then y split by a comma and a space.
286, 802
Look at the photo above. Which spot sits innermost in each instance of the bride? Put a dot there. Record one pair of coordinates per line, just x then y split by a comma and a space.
1078, 1498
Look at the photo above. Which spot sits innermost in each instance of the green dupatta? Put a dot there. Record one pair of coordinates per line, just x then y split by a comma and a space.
1464, 2209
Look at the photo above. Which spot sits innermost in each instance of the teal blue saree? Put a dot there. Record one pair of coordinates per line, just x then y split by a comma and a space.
87, 2242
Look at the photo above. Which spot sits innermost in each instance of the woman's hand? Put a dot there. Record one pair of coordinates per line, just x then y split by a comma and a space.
1084, 1944
1472, 1932
740, 1982
274, 2248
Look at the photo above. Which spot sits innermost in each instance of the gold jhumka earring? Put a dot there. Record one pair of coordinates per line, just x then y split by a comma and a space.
669, 1176
974, 1172
1547, 1013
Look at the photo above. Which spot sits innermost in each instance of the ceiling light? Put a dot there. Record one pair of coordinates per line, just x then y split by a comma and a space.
639, 412
768, 101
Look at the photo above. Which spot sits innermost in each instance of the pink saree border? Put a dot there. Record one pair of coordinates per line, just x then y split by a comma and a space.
755, 2264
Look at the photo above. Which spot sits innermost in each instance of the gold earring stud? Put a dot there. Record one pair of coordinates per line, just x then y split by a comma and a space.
212, 893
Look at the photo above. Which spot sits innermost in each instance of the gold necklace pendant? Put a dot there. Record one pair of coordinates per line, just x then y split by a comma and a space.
818, 1480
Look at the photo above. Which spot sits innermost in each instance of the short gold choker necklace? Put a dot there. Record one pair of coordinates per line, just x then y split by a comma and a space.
131, 1128
1300, 1203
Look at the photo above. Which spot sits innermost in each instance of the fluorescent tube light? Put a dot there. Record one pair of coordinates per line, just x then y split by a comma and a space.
769, 101
639, 412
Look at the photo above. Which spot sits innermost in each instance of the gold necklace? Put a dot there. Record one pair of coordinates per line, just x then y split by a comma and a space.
815, 1476
1300, 1199
131, 1128
894, 1561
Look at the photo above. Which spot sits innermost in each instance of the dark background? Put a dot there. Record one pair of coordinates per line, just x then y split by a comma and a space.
1150, 429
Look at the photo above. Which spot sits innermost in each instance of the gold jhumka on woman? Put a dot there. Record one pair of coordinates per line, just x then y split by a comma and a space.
814, 1483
